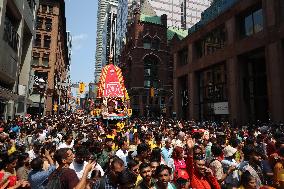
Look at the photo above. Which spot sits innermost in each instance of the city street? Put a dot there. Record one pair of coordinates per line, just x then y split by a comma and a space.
142, 94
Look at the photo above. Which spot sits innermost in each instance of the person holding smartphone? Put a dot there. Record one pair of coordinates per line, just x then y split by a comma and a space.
82, 156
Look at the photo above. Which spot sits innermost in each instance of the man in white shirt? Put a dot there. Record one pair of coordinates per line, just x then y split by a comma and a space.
167, 150
68, 142
35, 151
42, 135
79, 163
122, 153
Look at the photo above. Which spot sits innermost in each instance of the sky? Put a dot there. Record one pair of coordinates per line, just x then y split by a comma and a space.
81, 18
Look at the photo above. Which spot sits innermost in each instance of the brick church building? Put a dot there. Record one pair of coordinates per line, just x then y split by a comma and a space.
147, 64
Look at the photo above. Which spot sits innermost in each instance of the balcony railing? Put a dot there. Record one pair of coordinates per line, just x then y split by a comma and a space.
10, 34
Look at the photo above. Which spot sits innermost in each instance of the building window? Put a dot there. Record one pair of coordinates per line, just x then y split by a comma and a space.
37, 41
10, 33
212, 42
147, 83
135, 100
183, 14
252, 23
147, 72
35, 60
281, 10
48, 24
183, 56
151, 72
156, 43
144, 99
39, 22
49, 9
47, 41
212, 89
147, 42
44, 8
45, 60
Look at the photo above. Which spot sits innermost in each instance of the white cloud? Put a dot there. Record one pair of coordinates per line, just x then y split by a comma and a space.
79, 37
78, 40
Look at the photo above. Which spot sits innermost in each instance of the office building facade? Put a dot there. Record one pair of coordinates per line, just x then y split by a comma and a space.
16, 36
231, 68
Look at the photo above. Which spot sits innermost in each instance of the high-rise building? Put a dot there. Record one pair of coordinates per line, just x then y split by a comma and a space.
124, 14
180, 13
50, 53
109, 34
101, 19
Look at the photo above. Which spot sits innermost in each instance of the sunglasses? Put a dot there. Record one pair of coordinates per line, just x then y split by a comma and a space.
199, 157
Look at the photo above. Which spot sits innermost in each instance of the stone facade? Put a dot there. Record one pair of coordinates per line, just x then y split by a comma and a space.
50, 55
232, 68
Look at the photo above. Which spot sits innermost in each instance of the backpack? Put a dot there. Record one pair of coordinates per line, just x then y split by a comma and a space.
54, 181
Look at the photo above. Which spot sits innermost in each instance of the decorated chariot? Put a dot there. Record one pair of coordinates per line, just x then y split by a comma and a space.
112, 101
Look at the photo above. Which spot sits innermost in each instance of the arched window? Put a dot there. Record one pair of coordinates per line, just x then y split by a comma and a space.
151, 71
147, 42
156, 43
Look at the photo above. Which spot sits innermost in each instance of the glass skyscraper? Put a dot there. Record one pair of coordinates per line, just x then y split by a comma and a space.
101, 19
124, 9
181, 13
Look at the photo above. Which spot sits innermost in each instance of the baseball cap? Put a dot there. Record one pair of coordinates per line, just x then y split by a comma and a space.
182, 174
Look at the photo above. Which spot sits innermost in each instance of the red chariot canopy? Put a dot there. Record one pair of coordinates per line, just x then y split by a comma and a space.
111, 83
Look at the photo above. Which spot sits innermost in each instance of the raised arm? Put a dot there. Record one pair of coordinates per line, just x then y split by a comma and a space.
189, 160
83, 182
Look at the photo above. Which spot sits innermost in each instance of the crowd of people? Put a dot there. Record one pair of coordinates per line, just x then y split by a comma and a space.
80, 152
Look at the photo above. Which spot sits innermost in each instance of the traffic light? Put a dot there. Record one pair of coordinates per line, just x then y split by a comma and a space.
77, 101
81, 87
55, 107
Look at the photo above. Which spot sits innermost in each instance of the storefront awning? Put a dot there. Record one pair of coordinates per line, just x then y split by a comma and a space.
6, 94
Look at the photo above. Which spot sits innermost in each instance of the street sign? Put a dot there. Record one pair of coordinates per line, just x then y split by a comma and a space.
75, 85
64, 84
221, 108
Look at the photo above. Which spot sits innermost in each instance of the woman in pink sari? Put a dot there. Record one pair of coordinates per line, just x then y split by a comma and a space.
177, 163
